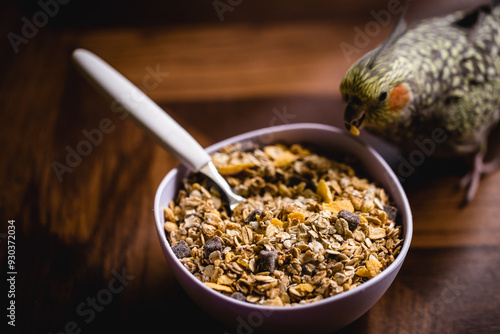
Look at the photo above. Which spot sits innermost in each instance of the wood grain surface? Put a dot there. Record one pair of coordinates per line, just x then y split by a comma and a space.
84, 224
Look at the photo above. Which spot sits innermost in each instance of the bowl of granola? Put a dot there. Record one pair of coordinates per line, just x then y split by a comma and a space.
321, 236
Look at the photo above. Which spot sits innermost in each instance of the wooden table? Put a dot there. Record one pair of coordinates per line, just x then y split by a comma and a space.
87, 257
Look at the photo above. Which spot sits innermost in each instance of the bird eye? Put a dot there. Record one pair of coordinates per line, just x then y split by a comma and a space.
382, 96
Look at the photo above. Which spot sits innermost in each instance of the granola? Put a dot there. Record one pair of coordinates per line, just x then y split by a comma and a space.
310, 228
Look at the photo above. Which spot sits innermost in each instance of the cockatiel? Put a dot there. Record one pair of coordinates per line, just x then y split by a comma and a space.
440, 74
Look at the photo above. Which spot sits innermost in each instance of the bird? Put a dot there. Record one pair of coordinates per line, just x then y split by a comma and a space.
438, 74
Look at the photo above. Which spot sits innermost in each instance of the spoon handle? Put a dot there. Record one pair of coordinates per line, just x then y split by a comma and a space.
147, 114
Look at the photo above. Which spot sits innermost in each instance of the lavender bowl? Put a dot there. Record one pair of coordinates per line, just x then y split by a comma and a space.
323, 316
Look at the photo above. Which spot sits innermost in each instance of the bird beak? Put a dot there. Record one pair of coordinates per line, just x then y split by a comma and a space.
353, 117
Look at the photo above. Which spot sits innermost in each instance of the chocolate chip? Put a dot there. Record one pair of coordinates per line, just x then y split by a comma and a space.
351, 218
392, 212
239, 296
267, 260
181, 250
212, 245
253, 215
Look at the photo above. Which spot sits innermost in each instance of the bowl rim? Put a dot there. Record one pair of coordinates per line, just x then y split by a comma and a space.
407, 228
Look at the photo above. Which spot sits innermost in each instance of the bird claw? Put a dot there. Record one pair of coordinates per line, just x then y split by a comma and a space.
470, 182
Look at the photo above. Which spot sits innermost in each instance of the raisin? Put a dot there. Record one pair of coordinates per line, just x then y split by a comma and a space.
351, 218
181, 250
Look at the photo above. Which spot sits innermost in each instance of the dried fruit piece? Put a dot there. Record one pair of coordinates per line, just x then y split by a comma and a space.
234, 169
371, 269
181, 250
297, 215
284, 159
363, 272
212, 245
336, 206
277, 222
280, 155
373, 265
301, 290
229, 257
324, 191
352, 219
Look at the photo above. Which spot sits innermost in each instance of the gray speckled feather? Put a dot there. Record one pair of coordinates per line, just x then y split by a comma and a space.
452, 67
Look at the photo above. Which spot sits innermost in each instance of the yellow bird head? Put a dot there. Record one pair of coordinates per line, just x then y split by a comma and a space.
377, 92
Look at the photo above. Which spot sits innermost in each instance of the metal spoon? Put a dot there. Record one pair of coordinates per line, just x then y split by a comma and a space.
151, 118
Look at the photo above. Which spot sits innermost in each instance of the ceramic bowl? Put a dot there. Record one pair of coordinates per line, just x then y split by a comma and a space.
323, 316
